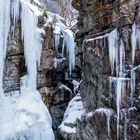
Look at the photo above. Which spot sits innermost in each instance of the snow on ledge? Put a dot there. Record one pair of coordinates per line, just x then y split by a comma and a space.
73, 112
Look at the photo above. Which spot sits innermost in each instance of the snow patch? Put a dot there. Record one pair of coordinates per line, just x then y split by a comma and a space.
29, 117
73, 112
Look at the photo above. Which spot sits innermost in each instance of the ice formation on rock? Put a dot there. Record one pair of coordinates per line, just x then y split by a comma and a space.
60, 30
117, 58
23, 116
116, 53
117, 62
69, 42
112, 39
32, 41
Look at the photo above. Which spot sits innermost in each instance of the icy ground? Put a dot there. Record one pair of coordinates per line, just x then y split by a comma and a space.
24, 117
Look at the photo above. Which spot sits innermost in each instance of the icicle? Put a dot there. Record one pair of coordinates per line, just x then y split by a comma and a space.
5, 106
108, 113
56, 41
133, 41
57, 34
63, 48
133, 79
122, 58
110, 87
138, 30
15, 10
119, 91
55, 63
69, 42
120, 88
4, 32
118, 102
125, 125
32, 42
6, 24
112, 40
108, 124
38, 43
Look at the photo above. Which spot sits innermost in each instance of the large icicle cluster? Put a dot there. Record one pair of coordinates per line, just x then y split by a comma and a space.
60, 30
23, 116
117, 61
32, 41
116, 53
118, 79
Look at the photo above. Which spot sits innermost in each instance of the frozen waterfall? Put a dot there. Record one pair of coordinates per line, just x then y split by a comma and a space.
23, 115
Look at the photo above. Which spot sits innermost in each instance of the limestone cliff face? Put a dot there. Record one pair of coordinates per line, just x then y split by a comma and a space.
96, 21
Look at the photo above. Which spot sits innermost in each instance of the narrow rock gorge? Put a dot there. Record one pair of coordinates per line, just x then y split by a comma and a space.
69, 70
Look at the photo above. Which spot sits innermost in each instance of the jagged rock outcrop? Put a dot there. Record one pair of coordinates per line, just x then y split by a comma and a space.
106, 118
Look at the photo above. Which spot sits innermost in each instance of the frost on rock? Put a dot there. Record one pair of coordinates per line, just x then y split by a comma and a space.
73, 112
23, 115
132, 84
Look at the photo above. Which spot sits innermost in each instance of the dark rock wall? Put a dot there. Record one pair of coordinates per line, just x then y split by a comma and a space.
96, 18
14, 63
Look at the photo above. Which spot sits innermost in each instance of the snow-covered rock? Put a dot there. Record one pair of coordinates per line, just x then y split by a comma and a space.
73, 112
